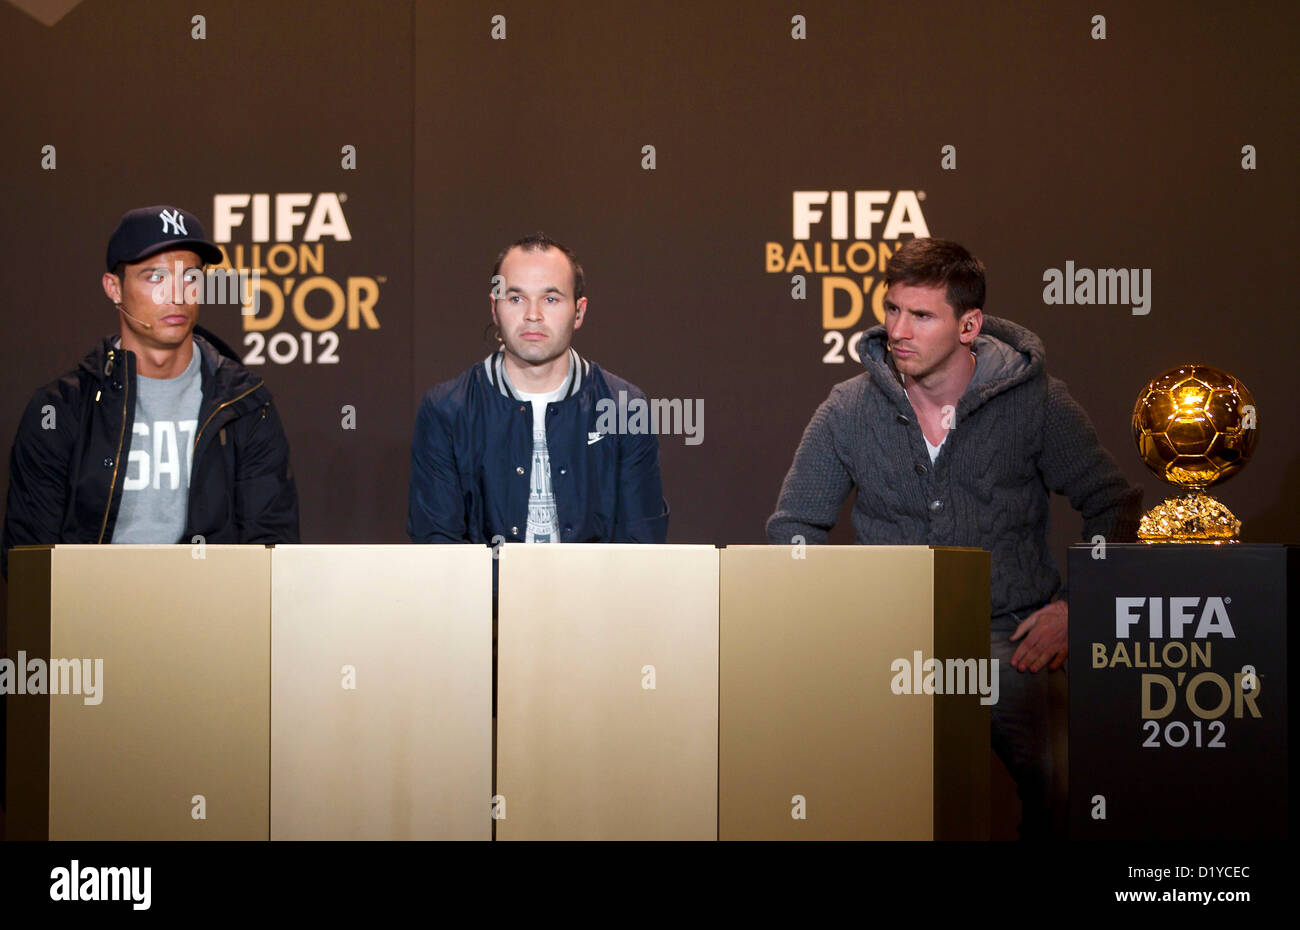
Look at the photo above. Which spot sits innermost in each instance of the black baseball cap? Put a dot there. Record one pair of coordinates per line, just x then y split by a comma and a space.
147, 230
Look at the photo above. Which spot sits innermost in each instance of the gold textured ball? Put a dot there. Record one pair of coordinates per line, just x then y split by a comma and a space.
1195, 426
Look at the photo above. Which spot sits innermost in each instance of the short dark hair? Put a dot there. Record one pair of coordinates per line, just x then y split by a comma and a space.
119, 270
540, 242
934, 262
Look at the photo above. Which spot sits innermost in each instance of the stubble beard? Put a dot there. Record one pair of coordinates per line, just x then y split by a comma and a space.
539, 353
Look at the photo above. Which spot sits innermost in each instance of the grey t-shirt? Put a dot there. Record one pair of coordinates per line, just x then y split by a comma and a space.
155, 496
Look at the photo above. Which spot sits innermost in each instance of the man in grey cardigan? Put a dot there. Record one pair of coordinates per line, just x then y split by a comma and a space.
955, 435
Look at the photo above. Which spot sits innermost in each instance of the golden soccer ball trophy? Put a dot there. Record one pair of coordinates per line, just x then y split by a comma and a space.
1194, 426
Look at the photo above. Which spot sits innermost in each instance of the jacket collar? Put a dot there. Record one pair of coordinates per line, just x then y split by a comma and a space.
224, 378
494, 367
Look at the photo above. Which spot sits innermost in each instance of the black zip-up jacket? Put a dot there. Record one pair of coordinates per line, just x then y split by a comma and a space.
68, 464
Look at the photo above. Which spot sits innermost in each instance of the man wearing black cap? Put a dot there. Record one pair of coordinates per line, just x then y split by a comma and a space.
161, 435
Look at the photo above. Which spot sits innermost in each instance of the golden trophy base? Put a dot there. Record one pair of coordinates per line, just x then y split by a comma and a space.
1194, 517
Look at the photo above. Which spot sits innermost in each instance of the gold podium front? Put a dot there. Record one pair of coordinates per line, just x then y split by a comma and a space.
381, 700
240, 692
643, 692
174, 742
814, 741
607, 692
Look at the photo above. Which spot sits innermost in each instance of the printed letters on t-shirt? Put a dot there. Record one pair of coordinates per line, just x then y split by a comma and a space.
162, 468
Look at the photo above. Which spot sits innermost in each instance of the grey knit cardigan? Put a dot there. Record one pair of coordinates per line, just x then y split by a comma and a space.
1018, 436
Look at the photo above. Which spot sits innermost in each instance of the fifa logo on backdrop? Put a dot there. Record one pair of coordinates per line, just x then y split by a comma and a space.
845, 239
301, 308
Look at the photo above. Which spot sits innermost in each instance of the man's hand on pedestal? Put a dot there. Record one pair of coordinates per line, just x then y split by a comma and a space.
1046, 638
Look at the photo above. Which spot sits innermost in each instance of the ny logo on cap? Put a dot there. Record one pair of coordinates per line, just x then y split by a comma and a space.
173, 219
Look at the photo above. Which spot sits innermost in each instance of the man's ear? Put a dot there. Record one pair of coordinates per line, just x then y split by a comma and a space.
971, 324
112, 287
492, 309
582, 312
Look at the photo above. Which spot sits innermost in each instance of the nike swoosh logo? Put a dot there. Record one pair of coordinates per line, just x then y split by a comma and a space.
593, 438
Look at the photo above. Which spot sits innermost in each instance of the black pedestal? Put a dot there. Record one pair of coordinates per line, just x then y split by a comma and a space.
1178, 691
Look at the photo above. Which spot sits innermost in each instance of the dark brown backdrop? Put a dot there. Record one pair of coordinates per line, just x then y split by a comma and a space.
1122, 152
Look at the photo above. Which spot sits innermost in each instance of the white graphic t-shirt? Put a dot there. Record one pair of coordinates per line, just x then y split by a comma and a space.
543, 521
155, 494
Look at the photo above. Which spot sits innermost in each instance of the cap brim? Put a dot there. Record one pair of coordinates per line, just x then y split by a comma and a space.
205, 250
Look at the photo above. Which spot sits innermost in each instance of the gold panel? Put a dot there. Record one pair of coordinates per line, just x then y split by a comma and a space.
184, 696
585, 750
809, 723
381, 701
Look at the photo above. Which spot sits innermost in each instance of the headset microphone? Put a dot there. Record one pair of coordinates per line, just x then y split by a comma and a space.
129, 317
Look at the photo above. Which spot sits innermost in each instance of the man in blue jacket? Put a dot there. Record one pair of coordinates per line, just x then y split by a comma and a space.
511, 450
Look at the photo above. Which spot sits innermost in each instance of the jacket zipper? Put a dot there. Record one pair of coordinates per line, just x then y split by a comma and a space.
222, 407
117, 458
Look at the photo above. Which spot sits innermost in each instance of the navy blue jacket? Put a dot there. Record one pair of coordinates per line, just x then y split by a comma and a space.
471, 459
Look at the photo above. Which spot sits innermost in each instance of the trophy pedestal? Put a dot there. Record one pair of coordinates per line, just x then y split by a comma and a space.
1194, 517
1178, 691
